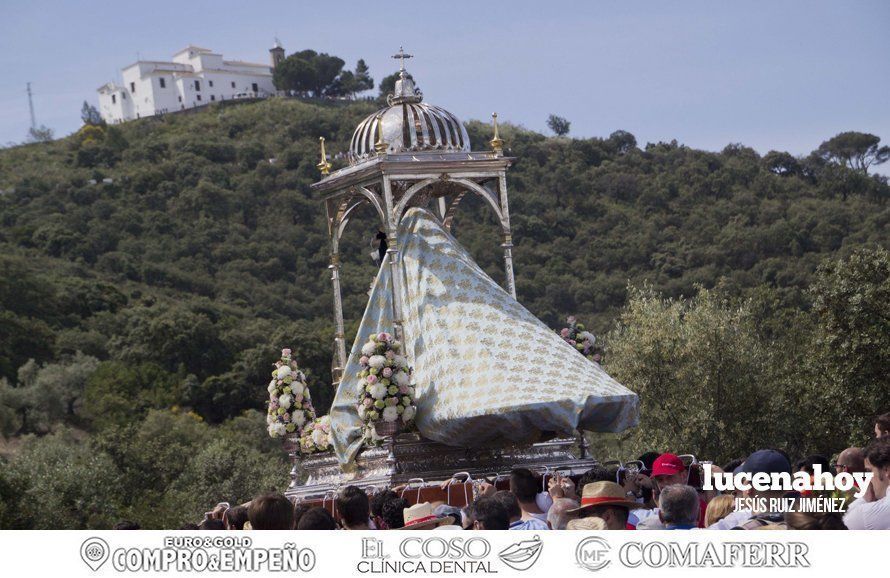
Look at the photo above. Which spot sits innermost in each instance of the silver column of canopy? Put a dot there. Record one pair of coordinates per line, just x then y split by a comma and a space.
409, 154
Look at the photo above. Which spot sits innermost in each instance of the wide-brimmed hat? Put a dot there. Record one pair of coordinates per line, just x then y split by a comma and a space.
604, 494
588, 523
420, 516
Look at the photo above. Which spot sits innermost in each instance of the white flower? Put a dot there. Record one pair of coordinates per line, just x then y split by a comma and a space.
299, 418
362, 411
369, 348
377, 361
587, 335
408, 414
401, 378
319, 438
272, 385
285, 400
270, 419
283, 371
277, 429
400, 361
390, 413
378, 391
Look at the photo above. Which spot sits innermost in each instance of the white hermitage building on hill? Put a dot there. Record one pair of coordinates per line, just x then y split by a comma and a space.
195, 77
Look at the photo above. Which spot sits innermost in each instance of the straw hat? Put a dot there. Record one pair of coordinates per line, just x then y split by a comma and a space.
604, 494
589, 523
420, 516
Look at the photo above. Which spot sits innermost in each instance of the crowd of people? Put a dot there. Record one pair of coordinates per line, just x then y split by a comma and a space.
657, 491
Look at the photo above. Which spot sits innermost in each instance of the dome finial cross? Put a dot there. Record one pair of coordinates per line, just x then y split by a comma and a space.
402, 56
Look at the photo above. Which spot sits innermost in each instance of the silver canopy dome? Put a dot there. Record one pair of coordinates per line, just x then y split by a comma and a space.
408, 124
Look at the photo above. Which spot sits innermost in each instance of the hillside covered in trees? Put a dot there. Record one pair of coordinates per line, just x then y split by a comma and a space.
150, 272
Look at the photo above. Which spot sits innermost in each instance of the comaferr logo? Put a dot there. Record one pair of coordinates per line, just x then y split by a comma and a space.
714, 555
593, 553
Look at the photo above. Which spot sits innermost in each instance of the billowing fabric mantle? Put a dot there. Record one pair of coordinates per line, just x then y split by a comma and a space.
487, 371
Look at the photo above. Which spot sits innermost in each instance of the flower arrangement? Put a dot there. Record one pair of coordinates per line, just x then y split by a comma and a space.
387, 392
316, 436
290, 407
584, 341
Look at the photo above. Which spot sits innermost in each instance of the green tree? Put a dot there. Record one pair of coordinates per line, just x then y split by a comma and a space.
781, 163
90, 115
296, 74
119, 393
40, 134
58, 482
349, 83
45, 395
308, 72
856, 150
850, 301
226, 471
623, 141
344, 85
701, 371
173, 338
559, 125
363, 79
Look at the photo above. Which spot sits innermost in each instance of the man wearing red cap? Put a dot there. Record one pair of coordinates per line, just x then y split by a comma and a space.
669, 470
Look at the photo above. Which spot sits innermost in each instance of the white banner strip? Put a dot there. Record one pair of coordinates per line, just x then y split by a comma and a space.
505, 553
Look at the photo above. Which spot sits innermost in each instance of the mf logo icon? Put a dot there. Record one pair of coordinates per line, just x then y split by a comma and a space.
593, 553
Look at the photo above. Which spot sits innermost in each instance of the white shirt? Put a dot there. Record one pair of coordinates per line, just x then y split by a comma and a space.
530, 524
862, 515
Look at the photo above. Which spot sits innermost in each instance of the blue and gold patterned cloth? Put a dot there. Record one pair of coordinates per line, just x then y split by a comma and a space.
486, 370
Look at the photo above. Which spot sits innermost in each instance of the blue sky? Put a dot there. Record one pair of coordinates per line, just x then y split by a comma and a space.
781, 75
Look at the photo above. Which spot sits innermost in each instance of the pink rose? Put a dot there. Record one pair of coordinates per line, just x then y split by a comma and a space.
392, 401
368, 402
298, 397
572, 342
371, 379
390, 354
285, 353
565, 332
387, 372
274, 405
383, 337
570, 319
403, 389
363, 360
286, 417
